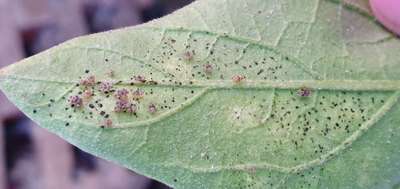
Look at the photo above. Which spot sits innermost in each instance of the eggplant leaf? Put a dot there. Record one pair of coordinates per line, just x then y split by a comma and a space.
229, 94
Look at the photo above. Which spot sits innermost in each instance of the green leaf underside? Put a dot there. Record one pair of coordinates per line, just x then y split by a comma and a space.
208, 130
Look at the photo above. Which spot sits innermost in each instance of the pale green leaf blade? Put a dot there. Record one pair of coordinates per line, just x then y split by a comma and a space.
236, 94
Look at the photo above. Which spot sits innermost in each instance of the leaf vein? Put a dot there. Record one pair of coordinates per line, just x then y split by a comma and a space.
310, 164
252, 42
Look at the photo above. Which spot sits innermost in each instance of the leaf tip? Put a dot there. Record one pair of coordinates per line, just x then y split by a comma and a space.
5, 73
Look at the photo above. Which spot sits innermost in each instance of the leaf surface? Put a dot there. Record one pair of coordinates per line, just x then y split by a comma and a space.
229, 94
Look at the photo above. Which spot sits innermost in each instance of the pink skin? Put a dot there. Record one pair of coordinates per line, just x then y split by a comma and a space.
388, 13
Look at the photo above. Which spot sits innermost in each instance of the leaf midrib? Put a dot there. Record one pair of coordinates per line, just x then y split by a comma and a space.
342, 85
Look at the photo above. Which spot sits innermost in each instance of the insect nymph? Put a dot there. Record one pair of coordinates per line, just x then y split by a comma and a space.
75, 101
188, 56
238, 78
304, 92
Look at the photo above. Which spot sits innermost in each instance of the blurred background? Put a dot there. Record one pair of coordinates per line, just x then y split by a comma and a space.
30, 157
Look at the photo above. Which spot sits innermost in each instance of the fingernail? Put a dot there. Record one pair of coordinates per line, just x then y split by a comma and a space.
388, 13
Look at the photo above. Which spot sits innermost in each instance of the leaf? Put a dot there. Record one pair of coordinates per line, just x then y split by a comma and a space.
230, 94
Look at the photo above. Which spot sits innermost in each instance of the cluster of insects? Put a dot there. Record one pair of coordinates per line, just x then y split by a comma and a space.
106, 87
138, 94
126, 101
123, 103
129, 101
75, 101
88, 81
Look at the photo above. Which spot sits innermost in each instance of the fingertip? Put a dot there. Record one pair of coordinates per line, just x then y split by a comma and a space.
388, 13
